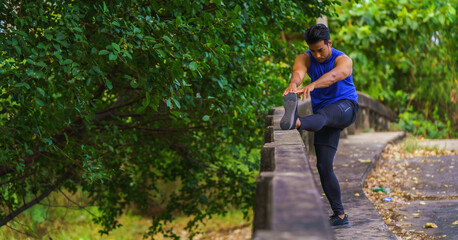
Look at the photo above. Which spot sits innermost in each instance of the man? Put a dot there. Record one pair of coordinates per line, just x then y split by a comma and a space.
334, 105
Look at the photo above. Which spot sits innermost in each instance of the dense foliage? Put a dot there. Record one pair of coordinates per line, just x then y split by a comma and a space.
405, 54
139, 102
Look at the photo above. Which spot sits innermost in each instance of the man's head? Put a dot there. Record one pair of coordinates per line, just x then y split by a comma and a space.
320, 43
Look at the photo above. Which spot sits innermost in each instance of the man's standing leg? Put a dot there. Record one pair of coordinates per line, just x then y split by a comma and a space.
326, 143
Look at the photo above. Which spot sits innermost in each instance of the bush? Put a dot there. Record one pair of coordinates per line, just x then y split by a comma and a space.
404, 55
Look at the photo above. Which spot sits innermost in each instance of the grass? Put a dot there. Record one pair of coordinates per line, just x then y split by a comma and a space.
411, 144
69, 222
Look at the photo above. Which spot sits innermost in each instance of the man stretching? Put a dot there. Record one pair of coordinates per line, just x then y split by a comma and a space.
334, 105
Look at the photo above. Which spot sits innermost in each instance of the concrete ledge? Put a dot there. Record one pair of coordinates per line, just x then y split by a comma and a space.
290, 197
365, 101
286, 191
268, 235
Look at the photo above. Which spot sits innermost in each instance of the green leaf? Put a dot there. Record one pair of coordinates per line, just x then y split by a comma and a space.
39, 102
48, 35
105, 9
206, 118
41, 91
133, 84
22, 84
21, 33
41, 64
112, 57
103, 52
60, 36
177, 103
237, 9
193, 66
115, 46
158, 45
116, 23
127, 54
161, 52
108, 84
66, 62
141, 110
146, 100
168, 103
166, 38
18, 50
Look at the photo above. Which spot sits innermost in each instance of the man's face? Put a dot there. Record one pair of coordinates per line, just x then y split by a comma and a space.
321, 51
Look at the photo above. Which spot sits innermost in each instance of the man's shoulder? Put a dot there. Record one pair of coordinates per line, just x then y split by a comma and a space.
303, 58
340, 55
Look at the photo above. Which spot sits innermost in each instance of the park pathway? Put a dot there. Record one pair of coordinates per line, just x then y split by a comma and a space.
437, 186
355, 158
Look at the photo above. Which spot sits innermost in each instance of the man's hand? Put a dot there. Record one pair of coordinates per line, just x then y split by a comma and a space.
305, 91
292, 88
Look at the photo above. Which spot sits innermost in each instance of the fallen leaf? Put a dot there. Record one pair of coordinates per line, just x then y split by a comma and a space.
430, 225
455, 223
364, 160
357, 194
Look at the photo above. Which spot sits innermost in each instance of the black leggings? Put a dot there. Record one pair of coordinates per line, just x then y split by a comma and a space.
327, 123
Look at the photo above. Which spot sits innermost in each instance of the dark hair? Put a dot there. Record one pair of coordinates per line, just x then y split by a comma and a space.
317, 33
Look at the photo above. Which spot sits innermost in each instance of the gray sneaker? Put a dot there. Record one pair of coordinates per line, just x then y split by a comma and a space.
288, 121
337, 222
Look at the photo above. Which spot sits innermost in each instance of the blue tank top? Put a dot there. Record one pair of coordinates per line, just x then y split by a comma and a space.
344, 89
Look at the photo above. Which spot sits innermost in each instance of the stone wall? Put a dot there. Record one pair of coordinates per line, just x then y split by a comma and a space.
288, 203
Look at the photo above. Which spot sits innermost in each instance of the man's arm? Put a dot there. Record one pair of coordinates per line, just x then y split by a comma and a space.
299, 70
343, 67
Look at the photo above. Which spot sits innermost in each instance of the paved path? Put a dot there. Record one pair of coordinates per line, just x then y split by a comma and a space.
437, 186
437, 177
437, 189
354, 160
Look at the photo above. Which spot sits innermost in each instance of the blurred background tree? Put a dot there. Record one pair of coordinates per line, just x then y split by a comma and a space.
404, 54
154, 104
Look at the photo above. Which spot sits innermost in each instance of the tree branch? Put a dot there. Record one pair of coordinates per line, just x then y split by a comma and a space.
28, 235
79, 206
26, 206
